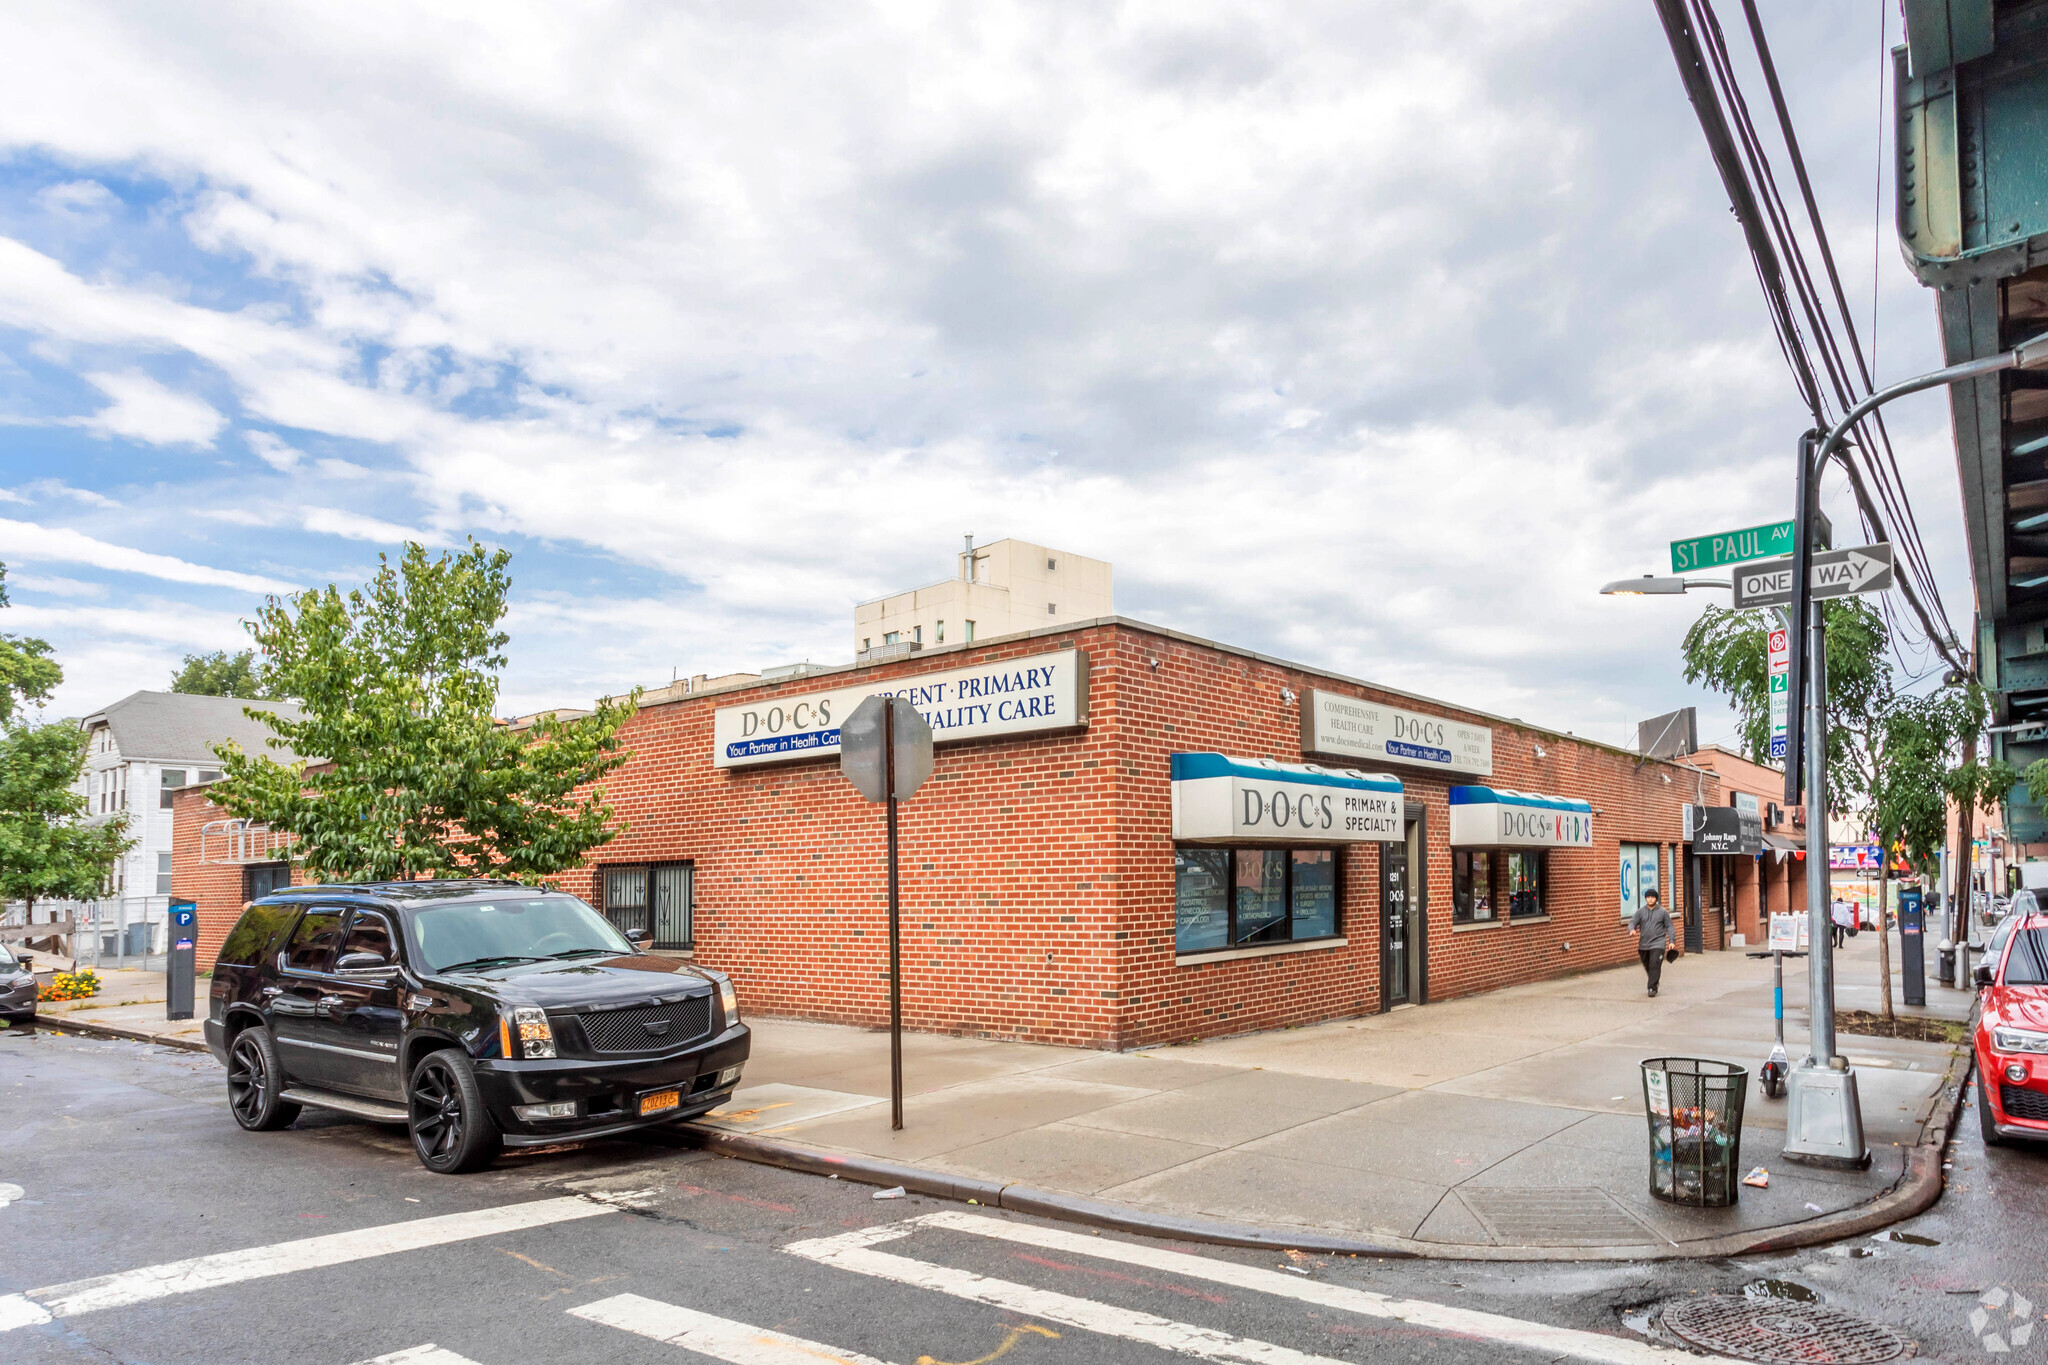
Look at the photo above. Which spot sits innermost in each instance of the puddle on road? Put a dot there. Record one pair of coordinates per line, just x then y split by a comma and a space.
1779, 1289
1638, 1322
1909, 1238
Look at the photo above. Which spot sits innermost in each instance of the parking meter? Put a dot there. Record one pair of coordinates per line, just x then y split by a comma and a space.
1913, 947
178, 971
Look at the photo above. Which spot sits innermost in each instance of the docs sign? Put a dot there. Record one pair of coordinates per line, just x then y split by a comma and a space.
1258, 800
1013, 697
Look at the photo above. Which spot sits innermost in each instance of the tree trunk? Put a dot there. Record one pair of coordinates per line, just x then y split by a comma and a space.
1884, 940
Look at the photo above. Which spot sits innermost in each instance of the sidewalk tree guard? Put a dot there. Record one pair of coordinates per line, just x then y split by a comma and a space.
885, 751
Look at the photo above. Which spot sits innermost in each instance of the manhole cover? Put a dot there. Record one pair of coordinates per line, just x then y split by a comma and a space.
1555, 1218
1779, 1330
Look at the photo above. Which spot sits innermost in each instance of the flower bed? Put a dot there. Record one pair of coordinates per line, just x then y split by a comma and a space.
71, 986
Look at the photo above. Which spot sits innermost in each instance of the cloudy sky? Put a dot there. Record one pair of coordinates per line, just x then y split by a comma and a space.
1373, 335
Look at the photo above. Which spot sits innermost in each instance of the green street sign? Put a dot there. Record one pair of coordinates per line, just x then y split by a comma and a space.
1731, 547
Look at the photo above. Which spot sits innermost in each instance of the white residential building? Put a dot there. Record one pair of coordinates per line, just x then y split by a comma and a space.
141, 749
998, 589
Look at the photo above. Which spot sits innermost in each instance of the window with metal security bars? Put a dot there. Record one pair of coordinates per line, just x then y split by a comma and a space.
656, 897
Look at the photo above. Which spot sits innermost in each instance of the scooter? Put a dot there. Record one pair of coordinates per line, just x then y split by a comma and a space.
1771, 1075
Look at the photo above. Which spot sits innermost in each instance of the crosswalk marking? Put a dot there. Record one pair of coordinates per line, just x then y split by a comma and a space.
719, 1338
429, 1354
854, 1251
311, 1253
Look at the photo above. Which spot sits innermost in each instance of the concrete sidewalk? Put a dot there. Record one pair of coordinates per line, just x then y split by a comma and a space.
1481, 1126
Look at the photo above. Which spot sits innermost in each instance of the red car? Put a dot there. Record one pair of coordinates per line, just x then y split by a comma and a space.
2012, 1034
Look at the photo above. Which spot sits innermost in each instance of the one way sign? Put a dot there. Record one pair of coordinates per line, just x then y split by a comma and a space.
1834, 573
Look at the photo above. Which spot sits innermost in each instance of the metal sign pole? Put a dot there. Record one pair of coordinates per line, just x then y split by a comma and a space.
895, 928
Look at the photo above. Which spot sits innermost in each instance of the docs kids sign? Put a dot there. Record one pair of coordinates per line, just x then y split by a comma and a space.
1014, 697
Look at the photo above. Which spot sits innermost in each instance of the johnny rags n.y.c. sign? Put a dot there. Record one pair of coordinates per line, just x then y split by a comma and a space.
980, 701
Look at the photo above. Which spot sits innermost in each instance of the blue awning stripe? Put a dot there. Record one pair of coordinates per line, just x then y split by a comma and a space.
1190, 767
1493, 796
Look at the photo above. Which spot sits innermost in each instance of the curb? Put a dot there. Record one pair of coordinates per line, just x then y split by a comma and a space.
1916, 1191
65, 1024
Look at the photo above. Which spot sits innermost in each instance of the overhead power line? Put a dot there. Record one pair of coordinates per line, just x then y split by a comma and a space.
1812, 352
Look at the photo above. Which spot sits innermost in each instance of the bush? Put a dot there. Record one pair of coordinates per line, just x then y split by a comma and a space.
71, 986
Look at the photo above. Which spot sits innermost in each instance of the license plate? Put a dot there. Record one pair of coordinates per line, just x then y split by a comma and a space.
660, 1100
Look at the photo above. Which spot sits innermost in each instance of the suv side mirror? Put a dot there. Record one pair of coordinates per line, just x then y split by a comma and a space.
637, 937
361, 962
1982, 976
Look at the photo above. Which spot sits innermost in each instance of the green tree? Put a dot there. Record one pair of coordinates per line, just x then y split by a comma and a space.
27, 672
221, 674
46, 848
1729, 652
1909, 799
398, 680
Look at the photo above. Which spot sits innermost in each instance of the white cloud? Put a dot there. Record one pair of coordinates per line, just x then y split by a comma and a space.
30, 543
145, 410
333, 521
272, 451
78, 197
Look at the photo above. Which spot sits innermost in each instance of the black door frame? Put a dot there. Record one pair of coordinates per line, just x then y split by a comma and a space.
1417, 815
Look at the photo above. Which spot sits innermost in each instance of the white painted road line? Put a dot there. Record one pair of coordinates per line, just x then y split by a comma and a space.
719, 1338
429, 1354
852, 1251
1201, 1343
312, 1253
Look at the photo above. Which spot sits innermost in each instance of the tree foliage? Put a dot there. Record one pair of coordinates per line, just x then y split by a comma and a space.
221, 674
27, 672
47, 848
398, 681
1729, 652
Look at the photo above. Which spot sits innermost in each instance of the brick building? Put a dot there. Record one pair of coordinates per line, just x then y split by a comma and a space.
1773, 880
1045, 893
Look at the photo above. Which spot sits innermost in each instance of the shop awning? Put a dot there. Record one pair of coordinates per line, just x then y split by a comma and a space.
1257, 800
1783, 847
1489, 817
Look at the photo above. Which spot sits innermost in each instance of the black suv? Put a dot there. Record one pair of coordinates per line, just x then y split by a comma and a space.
480, 1014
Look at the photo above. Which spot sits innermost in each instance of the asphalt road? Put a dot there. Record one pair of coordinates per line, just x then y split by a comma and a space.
128, 1163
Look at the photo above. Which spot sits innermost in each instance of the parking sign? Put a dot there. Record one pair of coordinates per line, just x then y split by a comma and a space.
1781, 682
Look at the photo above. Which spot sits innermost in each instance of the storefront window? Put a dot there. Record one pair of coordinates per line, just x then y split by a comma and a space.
1201, 910
1638, 875
1227, 898
1525, 884
1315, 893
1471, 886
1261, 895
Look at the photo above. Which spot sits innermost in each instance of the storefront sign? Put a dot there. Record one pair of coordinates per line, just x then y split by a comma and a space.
1724, 830
1013, 697
1346, 727
1482, 817
1259, 801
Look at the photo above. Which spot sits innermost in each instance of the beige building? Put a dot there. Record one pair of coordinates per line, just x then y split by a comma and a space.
998, 589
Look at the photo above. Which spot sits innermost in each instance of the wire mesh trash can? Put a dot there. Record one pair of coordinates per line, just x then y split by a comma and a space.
1695, 1112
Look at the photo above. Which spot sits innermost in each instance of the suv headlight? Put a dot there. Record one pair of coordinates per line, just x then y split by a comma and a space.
2019, 1040
536, 1039
728, 998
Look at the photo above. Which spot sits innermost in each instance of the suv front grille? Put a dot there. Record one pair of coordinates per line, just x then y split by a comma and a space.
2022, 1103
647, 1028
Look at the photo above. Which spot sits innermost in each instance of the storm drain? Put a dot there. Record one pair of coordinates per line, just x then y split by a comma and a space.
1555, 1218
1773, 1330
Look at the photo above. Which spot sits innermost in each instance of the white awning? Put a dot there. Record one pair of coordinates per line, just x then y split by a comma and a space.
1256, 800
1488, 817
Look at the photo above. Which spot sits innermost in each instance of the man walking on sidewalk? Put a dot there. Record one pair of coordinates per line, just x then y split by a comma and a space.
1652, 928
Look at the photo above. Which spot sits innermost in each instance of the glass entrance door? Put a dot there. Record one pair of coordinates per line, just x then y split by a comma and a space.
1395, 978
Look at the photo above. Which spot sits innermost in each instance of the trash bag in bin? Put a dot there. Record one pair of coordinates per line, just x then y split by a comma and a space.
1694, 1107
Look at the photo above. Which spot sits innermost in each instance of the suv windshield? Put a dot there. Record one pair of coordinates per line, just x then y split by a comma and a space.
529, 929
2027, 963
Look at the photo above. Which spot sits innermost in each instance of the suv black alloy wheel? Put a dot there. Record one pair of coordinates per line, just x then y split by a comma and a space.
255, 1081
451, 1129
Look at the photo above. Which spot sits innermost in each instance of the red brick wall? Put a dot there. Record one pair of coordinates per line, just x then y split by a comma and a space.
1038, 873
215, 888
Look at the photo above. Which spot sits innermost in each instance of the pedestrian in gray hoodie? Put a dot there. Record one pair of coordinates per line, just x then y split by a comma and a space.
1652, 928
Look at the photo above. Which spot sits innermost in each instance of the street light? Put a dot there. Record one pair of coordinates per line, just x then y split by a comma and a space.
1650, 585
